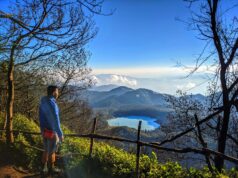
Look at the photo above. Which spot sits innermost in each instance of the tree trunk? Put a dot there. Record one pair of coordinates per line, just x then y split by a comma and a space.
5, 121
10, 100
2, 100
219, 161
5, 110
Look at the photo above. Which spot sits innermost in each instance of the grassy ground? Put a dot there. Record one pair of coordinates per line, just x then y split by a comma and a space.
106, 161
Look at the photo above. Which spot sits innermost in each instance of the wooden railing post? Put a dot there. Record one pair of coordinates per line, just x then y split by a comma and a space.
138, 151
93, 131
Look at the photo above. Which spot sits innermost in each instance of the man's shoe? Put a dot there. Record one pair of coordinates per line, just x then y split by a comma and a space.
55, 170
45, 170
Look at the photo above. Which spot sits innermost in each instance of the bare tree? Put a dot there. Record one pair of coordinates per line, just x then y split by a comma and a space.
40, 31
187, 111
217, 25
220, 31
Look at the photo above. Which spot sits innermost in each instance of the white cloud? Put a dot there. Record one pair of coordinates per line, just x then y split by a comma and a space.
123, 79
159, 79
161, 85
116, 80
190, 85
154, 72
95, 79
187, 86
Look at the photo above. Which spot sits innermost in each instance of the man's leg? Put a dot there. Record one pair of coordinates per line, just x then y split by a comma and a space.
45, 156
52, 156
52, 159
44, 161
52, 162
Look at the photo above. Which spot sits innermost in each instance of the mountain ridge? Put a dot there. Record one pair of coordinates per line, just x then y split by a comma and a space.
127, 101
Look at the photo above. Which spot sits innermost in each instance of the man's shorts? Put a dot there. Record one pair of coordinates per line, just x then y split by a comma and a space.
50, 145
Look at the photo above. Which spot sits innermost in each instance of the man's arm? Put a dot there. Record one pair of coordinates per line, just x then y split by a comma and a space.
56, 119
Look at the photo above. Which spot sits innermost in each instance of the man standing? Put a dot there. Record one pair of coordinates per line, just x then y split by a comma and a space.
50, 127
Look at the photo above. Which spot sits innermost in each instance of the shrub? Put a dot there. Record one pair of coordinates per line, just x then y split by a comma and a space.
106, 161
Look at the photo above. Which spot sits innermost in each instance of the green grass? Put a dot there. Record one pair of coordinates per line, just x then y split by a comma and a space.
107, 161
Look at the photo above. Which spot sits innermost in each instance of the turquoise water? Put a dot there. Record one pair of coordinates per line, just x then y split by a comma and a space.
148, 123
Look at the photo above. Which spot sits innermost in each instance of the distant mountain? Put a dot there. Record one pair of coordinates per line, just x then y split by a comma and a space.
103, 87
123, 96
200, 98
96, 96
120, 96
143, 97
126, 101
121, 101
120, 90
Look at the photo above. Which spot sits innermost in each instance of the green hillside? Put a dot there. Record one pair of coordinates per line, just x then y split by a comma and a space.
107, 161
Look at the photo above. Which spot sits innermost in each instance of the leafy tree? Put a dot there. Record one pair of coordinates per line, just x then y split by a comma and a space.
42, 32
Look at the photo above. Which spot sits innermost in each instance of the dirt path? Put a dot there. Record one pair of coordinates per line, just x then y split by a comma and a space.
9, 171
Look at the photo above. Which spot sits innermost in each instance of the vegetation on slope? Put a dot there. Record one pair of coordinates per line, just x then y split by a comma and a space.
107, 161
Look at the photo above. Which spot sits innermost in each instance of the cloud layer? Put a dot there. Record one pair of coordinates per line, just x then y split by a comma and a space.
160, 79
161, 84
106, 79
155, 72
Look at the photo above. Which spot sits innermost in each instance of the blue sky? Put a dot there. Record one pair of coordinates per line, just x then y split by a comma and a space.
143, 33
143, 39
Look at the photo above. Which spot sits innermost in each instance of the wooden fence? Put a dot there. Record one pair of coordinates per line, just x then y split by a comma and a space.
139, 144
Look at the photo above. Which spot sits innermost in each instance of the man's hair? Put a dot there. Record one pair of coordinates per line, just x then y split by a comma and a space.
51, 89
